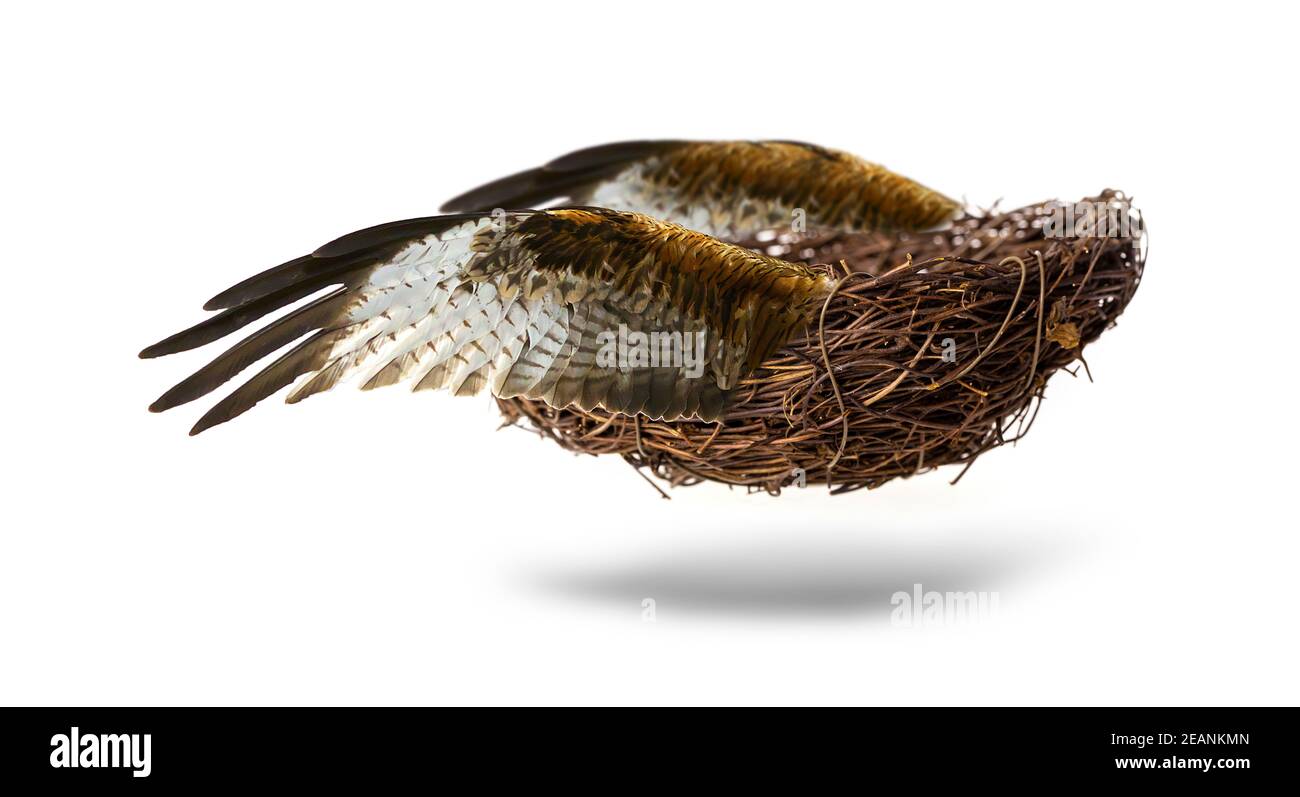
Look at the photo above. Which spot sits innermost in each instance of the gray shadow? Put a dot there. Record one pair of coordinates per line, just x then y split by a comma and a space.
806, 575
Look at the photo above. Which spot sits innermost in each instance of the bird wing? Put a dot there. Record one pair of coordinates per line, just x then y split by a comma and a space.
729, 189
548, 305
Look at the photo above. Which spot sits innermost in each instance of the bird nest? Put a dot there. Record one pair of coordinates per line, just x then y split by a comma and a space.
933, 349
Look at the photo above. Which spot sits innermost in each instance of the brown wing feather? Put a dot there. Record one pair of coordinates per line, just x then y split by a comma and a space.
567, 177
726, 188
529, 304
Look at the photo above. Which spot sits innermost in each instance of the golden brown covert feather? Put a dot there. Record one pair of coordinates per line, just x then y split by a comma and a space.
521, 303
729, 189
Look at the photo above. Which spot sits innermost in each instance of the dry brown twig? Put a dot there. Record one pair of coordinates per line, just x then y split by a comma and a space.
867, 394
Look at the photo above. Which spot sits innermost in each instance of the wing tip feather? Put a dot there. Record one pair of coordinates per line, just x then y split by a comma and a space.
164, 347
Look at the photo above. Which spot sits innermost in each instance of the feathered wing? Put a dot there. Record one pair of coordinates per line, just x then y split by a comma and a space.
542, 304
728, 189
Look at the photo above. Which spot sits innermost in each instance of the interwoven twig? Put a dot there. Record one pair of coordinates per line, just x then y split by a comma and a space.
933, 349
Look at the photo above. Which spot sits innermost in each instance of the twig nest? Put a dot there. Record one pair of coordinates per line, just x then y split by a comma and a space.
933, 349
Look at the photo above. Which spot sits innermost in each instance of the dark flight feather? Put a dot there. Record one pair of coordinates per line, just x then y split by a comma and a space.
557, 179
578, 273
307, 318
237, 317
307, 356
729, 189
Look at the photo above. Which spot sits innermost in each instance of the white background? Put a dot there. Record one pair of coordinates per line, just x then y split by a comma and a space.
390, 548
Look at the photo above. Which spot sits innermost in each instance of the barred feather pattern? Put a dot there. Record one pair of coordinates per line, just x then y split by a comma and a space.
521, 305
